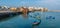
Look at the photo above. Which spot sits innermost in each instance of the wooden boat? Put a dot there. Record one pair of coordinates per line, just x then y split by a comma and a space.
36, 23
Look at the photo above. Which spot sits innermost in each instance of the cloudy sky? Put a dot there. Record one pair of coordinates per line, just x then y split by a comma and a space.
50, 4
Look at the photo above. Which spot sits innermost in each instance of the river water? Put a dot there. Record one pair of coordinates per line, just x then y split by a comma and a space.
22, 21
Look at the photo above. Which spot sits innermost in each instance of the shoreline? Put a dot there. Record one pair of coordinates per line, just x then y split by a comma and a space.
53, 10
34, 11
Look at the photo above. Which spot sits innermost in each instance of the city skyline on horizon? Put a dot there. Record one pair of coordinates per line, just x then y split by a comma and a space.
50, 4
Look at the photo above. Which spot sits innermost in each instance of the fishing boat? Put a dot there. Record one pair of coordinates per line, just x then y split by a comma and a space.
37, 23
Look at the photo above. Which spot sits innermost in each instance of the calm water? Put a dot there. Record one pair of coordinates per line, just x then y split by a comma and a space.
21, 22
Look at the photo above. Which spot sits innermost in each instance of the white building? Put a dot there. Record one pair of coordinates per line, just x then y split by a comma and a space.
41, 9
31, 8
3, 7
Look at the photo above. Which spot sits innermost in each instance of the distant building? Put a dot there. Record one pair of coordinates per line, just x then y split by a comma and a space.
45, 10
31, 8
40, 9
37, 9
24, 10
3, 7
21, 9
13, 9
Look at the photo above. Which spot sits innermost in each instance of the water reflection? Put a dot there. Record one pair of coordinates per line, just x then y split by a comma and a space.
7, 16
36, 16
5, 19
25, 16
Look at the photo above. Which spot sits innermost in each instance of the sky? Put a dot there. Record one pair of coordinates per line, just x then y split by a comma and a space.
50, 4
